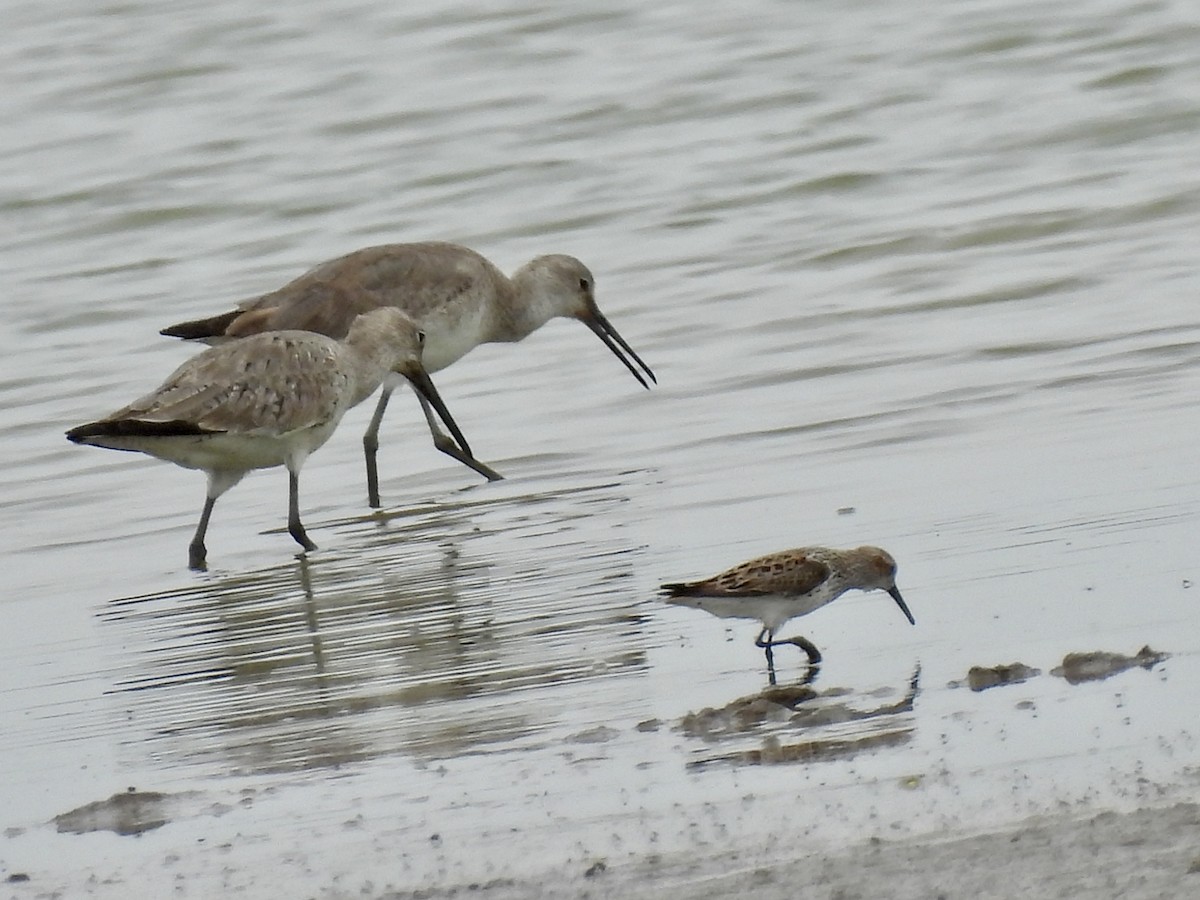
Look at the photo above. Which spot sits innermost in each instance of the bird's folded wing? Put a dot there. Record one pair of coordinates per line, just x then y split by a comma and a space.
775, 574
269, 384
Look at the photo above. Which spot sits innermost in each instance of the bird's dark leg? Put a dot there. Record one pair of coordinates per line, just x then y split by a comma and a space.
446, 444
295, 526
814, 655
766, 640
767, 644
810, 674
196, 549
371, 447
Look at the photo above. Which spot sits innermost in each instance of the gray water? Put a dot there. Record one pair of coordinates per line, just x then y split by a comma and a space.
921, 276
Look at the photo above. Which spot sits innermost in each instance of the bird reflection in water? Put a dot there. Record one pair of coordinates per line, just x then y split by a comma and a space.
781, 718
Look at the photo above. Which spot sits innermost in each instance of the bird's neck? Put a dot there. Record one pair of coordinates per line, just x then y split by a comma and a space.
522, 309
371, 359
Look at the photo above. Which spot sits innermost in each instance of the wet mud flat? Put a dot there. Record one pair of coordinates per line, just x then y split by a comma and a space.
1150, 854
766, 839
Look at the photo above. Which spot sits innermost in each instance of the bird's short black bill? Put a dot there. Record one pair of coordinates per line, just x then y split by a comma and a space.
422, 382
895, 592
614, 342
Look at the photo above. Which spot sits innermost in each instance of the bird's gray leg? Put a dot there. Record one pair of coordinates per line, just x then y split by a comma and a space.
371, 446
219, 481
196, 549
444, 443
295, 526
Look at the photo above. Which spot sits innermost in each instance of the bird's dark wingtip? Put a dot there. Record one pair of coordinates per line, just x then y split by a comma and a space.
197, 329
677, 589
80, 434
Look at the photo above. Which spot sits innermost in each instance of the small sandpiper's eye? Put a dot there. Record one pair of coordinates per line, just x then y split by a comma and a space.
584, 284
421, 337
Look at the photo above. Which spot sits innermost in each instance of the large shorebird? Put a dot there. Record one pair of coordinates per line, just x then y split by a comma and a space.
267, 400
782, 586
459, 298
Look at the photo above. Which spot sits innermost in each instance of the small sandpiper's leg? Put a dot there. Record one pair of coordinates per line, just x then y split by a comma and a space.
295, 526
197, 552
814, 655
446, 444
764, 640
371, 446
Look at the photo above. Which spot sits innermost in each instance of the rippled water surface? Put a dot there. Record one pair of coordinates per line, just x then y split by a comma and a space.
917, 276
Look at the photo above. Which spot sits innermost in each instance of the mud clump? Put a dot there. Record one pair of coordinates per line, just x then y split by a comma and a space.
132, 812
1097, 665
738, 717
980, 678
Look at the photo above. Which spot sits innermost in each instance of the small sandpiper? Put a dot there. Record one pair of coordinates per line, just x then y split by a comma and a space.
781, 586
265, 400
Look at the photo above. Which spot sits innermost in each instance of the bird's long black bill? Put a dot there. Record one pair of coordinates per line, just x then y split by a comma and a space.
895, 592
614, 342
422, 382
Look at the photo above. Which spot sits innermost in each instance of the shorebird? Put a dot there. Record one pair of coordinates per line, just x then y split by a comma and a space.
459, 298
781, 586
266, 400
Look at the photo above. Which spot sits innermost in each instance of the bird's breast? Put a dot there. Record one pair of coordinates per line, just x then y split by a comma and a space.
452, 333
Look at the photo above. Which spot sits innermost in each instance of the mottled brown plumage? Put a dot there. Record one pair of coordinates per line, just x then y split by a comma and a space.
781, 586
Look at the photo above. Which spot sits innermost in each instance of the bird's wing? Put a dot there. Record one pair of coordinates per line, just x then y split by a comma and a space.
303, 305
269, 384
420, 278
423, 279
790, 572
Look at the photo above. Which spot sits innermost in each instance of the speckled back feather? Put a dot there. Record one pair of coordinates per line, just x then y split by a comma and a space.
786, 572
284, 381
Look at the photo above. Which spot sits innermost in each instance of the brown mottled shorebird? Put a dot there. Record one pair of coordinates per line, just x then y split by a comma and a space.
266, 400
459, 298
791, 583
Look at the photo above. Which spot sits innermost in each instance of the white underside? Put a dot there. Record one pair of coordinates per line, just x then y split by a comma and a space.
449, 340
230, 452
772, 610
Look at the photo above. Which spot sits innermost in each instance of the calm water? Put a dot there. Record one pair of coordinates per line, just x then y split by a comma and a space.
921, 276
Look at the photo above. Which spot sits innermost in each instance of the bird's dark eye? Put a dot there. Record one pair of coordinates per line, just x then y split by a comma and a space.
421, 337
583, 284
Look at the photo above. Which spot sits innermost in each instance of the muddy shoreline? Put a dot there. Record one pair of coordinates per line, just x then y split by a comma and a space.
1148, 854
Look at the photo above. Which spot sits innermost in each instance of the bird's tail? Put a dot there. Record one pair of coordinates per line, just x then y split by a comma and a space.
199, 329
680, 589
96, 432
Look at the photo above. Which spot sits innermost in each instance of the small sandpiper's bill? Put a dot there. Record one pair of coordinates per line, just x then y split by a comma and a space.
781, 586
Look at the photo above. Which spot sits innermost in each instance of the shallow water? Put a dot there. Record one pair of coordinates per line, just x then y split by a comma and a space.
922, 280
